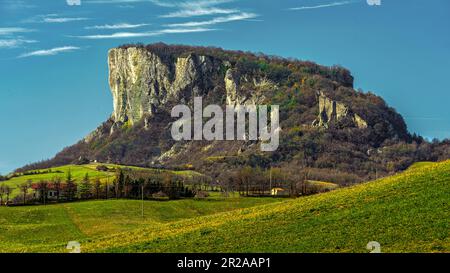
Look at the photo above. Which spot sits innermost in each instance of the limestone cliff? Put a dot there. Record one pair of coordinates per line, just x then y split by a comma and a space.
333, 112
142, 83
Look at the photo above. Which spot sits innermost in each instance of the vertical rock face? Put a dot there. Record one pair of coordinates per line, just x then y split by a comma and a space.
141, 82
231, 86
333, 112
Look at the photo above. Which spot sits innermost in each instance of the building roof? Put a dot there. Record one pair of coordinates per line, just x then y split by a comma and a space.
50, 186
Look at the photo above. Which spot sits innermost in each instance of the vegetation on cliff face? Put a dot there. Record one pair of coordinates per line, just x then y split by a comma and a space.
369, 140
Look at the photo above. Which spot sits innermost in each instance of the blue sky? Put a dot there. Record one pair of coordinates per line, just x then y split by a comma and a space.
53, 73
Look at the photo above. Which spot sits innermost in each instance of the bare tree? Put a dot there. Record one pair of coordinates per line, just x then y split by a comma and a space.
8, 191
43, 189
97, 187
24, 189
2, 192
57, 187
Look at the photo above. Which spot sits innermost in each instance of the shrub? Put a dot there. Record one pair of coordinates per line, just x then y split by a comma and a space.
201, 194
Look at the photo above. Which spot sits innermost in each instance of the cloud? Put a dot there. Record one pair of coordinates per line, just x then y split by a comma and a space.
13, 30
217, 20
186, 8
53, 18
115, 1
118, 26
194, 8
184, 30
119, 35
50, 52
189, 3
334, 4
13, 43
63, 19
200, 11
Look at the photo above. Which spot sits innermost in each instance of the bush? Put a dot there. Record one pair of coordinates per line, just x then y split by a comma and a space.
202, 194
160, 195
102, 168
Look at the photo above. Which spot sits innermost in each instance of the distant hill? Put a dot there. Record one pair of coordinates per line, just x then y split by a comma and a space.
327, 126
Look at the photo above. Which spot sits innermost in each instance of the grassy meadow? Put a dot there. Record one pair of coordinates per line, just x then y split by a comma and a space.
36, 228
408, 212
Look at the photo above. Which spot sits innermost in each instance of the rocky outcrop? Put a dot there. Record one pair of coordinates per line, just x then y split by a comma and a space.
146, 81
246, 90
231, 86
141, 82
333, 112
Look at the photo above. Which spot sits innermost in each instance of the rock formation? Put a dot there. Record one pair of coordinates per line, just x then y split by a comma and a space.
333, 112
142, 83
146, 81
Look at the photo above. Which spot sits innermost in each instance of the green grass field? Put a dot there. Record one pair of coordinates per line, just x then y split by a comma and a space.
38, 228
408, 212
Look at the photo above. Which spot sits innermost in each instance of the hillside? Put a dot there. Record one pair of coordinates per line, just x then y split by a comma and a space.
408, 212
77, 171
327, 125
39, 228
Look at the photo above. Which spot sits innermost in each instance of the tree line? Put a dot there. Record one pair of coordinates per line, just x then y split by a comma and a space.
124, 184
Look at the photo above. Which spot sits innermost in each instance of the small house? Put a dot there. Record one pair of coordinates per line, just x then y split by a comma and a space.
279, 192
50, 191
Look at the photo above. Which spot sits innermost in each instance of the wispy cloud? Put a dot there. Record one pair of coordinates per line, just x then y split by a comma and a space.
50, 52
13, 30
126, 6
63, 19
194, 8
198, 11
217, 20
184, 30
187, 3
119, 35
115, 1
118, 26
13, 43
184, 8
334, 4
54, 18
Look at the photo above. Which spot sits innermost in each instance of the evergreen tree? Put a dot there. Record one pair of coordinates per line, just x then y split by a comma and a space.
71, 187
97, 187
85, 190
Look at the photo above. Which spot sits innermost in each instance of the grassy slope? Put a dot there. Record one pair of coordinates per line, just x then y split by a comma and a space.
39, 228
78, 172
408, 212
